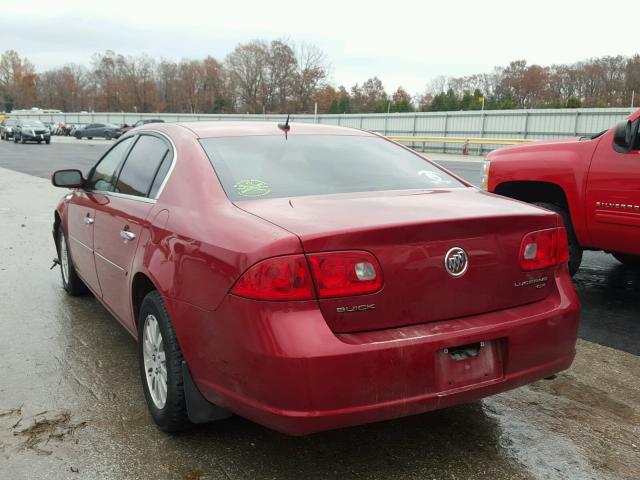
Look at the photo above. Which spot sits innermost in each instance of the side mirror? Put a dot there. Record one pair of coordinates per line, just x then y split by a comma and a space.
624, 136
71, 178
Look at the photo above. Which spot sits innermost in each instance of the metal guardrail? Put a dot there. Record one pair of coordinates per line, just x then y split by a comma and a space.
437, 131
463, 140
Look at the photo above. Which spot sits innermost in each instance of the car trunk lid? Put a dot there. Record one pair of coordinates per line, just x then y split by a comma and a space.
410, 232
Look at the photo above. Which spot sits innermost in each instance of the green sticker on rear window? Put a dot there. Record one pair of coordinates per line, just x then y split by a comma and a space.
252, 188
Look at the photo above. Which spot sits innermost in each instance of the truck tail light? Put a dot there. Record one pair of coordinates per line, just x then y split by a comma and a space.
277, 278
544, 248
341, 274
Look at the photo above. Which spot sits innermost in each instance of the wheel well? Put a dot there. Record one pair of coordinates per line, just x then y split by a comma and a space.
534, 192
141, 286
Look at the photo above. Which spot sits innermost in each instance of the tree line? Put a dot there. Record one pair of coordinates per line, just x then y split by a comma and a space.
281, 76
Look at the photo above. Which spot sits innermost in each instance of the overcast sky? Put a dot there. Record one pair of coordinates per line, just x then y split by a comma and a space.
404, 43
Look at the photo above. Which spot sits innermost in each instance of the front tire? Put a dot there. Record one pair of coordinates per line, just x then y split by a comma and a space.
22, 140
160, 360
631, 261
71, 282
575, 250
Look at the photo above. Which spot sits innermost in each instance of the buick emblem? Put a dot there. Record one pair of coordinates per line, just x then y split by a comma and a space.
456, 262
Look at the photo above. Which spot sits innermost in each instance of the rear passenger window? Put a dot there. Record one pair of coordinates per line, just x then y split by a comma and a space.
141, 166
102, 177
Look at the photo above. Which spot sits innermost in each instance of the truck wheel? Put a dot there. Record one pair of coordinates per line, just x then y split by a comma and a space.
575, 250
632, 261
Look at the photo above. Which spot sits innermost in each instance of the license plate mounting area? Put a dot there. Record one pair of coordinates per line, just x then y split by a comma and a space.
469, 364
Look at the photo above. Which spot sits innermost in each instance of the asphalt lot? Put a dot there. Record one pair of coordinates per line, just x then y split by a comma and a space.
71, 404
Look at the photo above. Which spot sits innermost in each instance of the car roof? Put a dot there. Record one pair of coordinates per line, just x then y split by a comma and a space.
246, 128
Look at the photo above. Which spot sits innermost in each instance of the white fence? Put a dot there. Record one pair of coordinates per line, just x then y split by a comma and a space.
527, 124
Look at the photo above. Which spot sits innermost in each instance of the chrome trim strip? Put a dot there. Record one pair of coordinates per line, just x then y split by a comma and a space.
109, 261
173, 161
130, 197
78, 241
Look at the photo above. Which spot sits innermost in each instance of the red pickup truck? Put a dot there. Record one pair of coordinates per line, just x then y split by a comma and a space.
592, 182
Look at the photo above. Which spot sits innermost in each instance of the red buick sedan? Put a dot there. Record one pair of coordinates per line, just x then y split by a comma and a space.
311, 277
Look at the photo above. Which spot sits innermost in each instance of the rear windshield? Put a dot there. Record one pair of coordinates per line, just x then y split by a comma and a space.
273, 167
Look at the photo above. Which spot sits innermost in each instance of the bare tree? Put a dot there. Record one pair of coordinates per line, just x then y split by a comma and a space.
247, 67
312, 71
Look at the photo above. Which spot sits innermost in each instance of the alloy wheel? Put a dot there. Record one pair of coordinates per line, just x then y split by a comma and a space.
155, 361
64, 259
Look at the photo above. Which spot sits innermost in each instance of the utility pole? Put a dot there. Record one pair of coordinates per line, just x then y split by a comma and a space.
633, 94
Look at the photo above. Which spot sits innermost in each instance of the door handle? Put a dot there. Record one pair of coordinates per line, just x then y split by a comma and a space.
88, 220
127, 235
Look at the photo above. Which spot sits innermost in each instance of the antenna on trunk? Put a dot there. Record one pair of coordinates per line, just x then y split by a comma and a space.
285, 127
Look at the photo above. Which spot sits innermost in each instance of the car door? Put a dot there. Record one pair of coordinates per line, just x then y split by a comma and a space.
121, 219
82, 209
80, 217
100, 130
613, 198
97, 130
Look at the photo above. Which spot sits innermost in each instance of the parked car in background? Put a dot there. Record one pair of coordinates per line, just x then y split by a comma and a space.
145, 121
312, 281
592, 182
6, 128
99, 130
31, 131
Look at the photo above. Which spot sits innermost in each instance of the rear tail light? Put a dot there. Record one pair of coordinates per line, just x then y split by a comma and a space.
278, 278
336, 274
544, 248
341, 274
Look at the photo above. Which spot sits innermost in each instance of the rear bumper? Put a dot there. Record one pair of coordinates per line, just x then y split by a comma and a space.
284, 368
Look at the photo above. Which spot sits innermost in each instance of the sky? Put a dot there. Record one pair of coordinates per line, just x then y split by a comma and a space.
404, 43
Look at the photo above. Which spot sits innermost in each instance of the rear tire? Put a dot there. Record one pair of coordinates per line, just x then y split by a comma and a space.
89, 138
71, 282
15, 139
160, 360
47, 141
631, 261
575, 250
